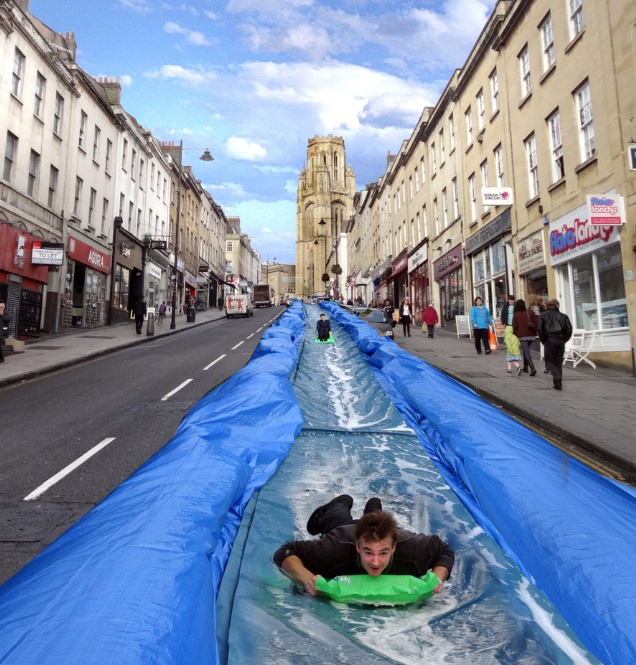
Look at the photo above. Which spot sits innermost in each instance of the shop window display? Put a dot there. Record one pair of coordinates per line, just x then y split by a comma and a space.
122, 285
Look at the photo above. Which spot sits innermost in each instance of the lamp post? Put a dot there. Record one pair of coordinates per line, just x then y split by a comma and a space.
205, 157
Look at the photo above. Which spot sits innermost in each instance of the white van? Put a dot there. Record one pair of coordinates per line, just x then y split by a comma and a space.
238, 305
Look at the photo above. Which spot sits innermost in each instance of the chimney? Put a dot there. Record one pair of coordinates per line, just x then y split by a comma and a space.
112, 88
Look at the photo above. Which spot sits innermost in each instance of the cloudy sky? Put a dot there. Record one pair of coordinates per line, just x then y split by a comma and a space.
253, 80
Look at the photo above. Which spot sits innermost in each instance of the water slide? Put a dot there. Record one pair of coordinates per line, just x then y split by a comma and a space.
539, 538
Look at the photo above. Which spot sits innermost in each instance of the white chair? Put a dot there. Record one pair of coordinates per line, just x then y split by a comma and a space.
579, 346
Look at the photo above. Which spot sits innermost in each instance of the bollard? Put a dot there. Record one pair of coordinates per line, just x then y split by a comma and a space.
150, 325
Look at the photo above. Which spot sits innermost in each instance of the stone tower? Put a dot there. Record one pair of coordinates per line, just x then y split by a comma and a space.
326, 187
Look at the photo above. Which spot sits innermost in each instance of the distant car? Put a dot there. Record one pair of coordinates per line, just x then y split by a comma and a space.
378, 319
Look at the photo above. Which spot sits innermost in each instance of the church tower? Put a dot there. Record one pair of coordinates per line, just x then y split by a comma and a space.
326, 187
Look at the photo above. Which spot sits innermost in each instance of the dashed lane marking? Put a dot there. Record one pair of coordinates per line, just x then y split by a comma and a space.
176, 390
214, 362
237, 346
66, 470
250, 336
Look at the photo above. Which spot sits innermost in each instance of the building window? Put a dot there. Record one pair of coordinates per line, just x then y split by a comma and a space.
133, 160
436, 213
499, 165
59, 112
82, 131
122, 203
547, 43
423, 170
40, 85
484, 173
442, 154
586, 122
494, 90
78, 196
141, 172
229, 246
139, 220
481, 111
472, 188
91, 207
18, 73
34, 169
152, 176
455, 200
10, 151
53, 176
124, 155
451, 129
576, 17
98, 133
109, 155
433, 160
425, 220
411, 186
533, 171
469, 126
556, 146
524, 68
417, 180
105, 205
445, 207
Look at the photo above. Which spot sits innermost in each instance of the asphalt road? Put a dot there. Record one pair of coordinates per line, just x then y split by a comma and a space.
117, 411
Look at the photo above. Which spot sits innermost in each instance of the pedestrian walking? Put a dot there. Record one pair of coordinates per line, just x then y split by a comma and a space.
555, 330
5, 320
430, 319
162, 313
139, 308
405, 317
513, 351
388, 308
524, 326
481, 321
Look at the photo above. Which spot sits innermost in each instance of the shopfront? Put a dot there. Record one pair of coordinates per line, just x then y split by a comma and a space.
154, 285
448, 272
85, 287
531, 264
418, 278
400, 278
128, 279
590, 277
490, 252
22, 281
190, 287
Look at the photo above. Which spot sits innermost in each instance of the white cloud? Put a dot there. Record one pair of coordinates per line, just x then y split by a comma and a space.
179, 73
226, 190
193, 37
240, 148
140, 6
126, 80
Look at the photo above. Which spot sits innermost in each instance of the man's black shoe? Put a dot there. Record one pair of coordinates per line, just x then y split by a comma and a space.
314, 523
557, 386
374, 505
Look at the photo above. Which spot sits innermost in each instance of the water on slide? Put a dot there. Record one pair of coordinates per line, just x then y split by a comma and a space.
355, 441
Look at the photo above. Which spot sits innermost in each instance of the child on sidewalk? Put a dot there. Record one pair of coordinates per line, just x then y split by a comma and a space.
513, 348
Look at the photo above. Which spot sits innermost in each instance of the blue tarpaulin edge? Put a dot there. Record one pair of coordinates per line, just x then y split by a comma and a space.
135, 580
570, 530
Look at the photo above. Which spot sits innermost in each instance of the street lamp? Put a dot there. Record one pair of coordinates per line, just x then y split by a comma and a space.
205, 157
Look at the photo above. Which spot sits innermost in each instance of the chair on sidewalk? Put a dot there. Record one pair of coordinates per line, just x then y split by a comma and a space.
579, 346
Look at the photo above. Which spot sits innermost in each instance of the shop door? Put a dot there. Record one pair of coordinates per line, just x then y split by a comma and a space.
30, 313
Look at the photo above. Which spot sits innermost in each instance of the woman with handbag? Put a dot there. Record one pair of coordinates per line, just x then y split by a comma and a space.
481, 320
524, 326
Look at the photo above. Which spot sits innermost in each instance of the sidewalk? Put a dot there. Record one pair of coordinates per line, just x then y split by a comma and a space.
53, 352
595, 410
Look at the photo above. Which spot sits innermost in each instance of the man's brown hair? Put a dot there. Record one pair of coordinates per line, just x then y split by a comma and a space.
376, 526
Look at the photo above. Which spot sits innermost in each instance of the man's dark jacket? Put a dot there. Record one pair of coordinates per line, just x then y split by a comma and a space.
323, 328
139, 308
554, 326
335, 554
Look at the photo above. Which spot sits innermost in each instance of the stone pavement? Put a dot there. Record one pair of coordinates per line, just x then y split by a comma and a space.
596, 410
51, 352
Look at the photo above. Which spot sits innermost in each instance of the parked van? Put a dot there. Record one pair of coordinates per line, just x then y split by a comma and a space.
238, 305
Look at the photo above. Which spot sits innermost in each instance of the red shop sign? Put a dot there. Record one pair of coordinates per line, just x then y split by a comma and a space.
84, 253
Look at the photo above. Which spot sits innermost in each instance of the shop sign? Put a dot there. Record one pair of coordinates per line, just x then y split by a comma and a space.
399, 265
84, 253
572, 235
490, 232
190, 279
530, 253
154, 271
497, 196
418, 258
606, 210
447, 263
47, 253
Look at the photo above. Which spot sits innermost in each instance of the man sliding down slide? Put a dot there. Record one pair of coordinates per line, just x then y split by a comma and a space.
323, 329
373, 545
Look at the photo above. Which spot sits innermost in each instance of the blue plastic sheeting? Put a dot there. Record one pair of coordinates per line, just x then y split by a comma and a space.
355, 441
572, 531
135, 580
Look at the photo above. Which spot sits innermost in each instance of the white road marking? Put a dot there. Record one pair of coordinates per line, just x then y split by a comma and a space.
176, 390
214, 362
237, 346
250, 336
66, 470
259, 329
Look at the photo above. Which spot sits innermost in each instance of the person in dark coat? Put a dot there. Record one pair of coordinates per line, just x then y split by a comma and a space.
430, 319
524, 326
555, 330
5, 320
139, 308
323, 328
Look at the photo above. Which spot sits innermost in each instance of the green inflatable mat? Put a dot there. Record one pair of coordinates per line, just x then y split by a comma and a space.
330, 340
380, 590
